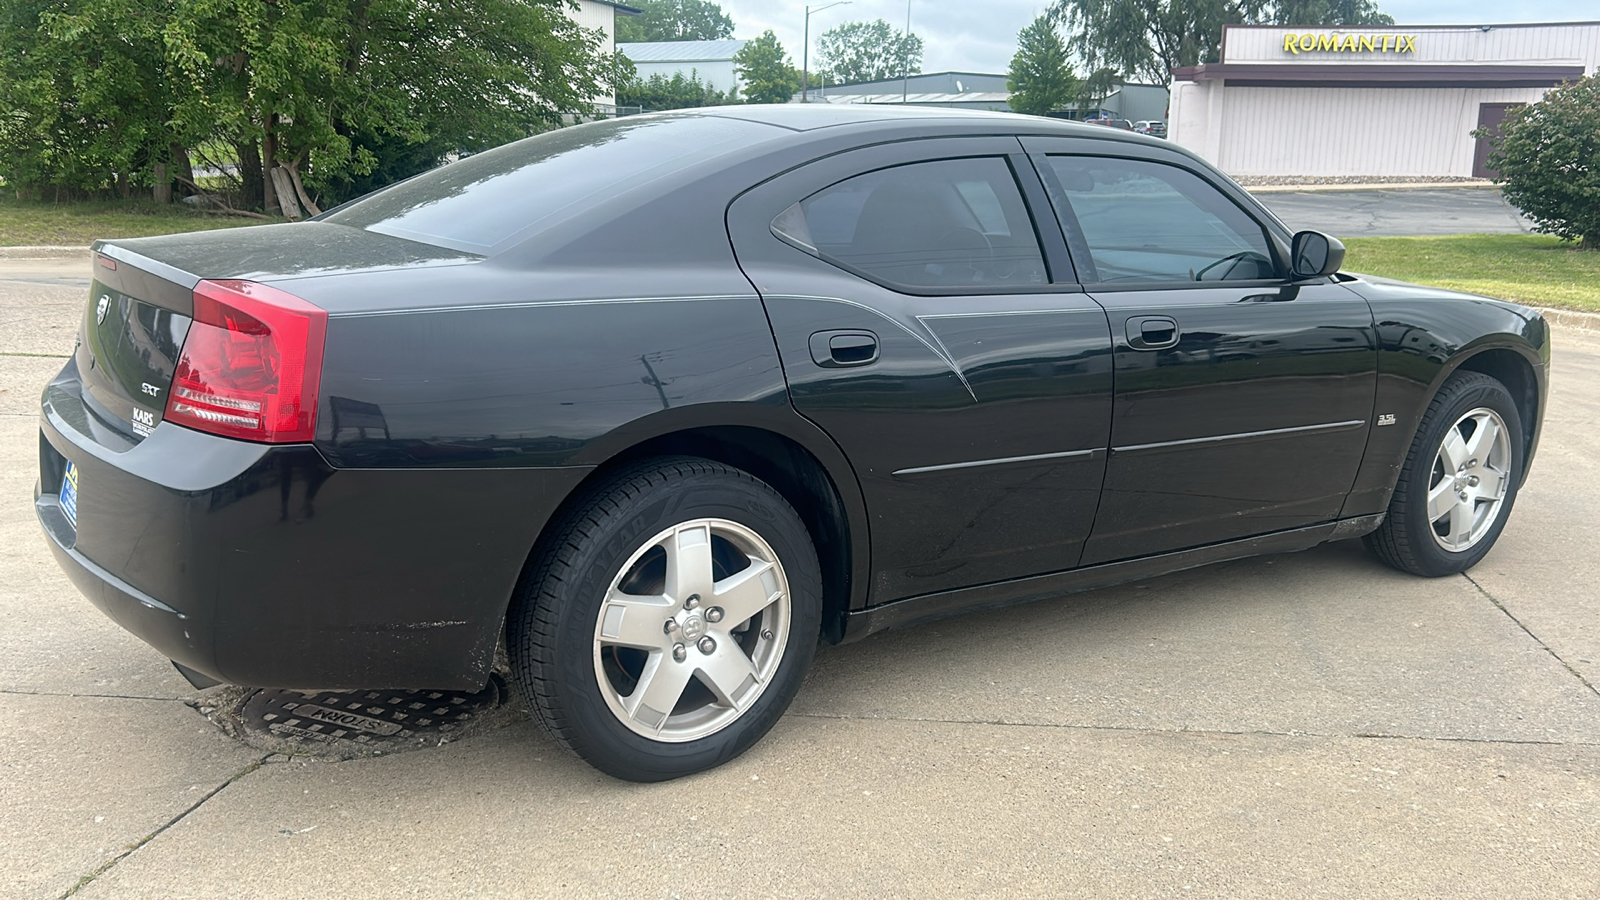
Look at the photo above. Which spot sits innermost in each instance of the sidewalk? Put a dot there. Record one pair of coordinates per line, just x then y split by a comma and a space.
1296, 725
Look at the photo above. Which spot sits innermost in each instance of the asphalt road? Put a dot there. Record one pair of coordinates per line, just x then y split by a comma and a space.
1397, 212
1298, 725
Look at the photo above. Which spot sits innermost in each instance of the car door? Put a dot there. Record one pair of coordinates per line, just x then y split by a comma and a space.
923, 325
1242, 404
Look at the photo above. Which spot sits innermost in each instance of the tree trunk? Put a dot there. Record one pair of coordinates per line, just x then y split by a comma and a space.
161, 190
284, 188
252, 177
299, 187
269, 161
182, 170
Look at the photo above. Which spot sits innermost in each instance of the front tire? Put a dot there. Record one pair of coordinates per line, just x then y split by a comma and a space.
668, 621
1459, 482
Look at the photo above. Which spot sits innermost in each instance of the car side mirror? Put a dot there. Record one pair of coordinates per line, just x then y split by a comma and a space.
1315, 255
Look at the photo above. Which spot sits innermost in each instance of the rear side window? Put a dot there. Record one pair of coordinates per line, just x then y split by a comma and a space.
1142, 221
954, 223
491, 201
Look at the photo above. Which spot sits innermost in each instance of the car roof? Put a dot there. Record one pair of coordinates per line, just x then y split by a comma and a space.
813, 116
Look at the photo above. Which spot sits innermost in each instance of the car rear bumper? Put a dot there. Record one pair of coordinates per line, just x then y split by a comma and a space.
263, 565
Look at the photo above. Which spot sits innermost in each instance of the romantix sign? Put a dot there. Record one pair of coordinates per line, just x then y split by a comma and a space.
1350, 43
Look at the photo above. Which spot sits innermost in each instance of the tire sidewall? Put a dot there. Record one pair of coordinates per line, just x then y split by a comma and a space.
597, 734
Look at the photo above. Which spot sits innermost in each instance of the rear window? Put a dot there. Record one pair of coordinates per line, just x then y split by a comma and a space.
491, 201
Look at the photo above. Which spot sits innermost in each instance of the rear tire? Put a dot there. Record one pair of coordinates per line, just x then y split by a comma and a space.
668, 620
1459, 482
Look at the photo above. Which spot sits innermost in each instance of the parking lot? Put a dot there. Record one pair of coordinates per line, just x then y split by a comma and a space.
1396, 212
1300, 725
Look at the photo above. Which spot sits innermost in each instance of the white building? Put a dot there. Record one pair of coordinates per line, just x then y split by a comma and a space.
710, 61
602, 15
1393, 101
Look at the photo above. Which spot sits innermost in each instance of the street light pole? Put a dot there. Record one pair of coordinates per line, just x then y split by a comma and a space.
905, 55
805, 50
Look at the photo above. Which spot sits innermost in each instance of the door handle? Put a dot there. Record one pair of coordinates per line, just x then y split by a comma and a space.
1152, 332
843, 349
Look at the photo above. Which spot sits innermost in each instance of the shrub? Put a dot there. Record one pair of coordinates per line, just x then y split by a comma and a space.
1548, 154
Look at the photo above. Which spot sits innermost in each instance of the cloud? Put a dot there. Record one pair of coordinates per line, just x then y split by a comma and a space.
981, 37
957, 36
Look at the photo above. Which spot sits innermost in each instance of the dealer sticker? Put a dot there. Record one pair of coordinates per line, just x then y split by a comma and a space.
69, 493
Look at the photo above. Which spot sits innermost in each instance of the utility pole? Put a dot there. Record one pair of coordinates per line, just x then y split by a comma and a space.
905, 55
805, 50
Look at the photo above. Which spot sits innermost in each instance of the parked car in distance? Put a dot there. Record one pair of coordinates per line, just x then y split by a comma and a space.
659, 403
1122, 124
1152, 127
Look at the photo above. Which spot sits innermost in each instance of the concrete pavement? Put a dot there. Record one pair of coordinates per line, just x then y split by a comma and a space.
1299, 725
1382, 213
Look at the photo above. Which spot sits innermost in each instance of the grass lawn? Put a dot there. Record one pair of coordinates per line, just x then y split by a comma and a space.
1534, 269
78, 224
1530, 268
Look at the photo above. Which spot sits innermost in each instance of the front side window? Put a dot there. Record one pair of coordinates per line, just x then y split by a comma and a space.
1143, 222
954, 223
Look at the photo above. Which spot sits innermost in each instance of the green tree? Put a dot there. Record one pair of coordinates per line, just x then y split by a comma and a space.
1041, 77
675, 20
659, 92
321, 89
1147, 39
86, 99
1329, 12
766, 71
1548, 156
867, 51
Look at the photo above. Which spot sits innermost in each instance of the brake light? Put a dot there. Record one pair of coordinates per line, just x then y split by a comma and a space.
251, 364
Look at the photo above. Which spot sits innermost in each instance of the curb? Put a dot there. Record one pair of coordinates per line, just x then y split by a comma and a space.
1398, 186
43, 252
1566, 318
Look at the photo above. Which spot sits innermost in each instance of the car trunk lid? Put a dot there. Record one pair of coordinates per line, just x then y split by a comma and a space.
134, 324
141, 303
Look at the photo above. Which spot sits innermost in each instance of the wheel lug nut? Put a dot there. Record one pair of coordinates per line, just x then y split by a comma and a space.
1473, 481
670, 627
679, 652
707, 645
692, 602
714, 615
1463, 495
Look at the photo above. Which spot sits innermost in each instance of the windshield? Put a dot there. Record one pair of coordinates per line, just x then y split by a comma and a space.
491, 201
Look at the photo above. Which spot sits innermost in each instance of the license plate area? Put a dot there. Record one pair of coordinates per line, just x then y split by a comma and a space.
69, 494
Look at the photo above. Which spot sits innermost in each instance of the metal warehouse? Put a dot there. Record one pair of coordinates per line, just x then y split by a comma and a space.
1385, 102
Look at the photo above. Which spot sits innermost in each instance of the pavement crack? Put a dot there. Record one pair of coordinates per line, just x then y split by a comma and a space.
1227, 732
88, 879
1529, 632
23, 693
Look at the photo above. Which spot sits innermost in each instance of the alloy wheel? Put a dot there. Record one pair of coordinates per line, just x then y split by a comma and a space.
1471, 476
692, 630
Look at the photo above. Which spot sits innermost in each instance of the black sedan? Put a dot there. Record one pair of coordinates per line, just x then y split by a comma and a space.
663, 401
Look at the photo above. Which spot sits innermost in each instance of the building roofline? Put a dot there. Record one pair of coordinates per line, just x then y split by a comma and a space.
1470, 26
1410, 76
919, 75
623, 8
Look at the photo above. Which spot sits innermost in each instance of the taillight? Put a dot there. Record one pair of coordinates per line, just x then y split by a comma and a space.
251, 364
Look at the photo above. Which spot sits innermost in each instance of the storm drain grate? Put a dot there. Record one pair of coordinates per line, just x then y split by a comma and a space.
366, 721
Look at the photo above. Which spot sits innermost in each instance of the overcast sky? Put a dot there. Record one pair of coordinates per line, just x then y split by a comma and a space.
967, 36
